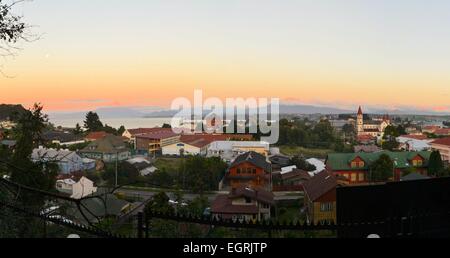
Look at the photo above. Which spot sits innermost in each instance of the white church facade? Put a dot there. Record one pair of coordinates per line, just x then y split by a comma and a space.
373, 127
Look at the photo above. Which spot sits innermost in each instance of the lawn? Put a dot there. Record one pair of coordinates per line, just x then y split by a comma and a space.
170, 165
308, 153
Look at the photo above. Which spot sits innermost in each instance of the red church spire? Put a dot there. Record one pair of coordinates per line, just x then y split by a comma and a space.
360, 111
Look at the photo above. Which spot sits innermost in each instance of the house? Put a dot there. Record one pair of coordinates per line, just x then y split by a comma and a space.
143, 165
243, 204
290, 181
152, 143
188, 145
198, 144
250, 170
413, 143
67, 161
131, 134
442, 132
366, 148
278, 161
356, 166
228, 150
62, 138
320, 198
443, 146
108, 149
94, 210
94, 136
430, 129
77, 188
366, 139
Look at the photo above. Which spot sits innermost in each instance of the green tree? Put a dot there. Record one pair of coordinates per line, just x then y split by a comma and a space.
121, 130
202, 174
302, 164
390, 144
436, 165
160, 203
39, 175
382, 169
78, 130
92, 122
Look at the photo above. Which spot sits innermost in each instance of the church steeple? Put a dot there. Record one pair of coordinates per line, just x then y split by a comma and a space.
360, 121
360, 111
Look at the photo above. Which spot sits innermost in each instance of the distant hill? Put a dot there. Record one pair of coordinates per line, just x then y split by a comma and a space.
11, 112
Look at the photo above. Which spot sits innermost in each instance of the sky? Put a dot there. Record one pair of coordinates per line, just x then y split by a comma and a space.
103, 53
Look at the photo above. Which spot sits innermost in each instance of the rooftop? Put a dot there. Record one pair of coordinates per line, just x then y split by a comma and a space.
442, 141
319, 185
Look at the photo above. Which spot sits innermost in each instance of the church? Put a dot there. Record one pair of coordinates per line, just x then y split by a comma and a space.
374, 127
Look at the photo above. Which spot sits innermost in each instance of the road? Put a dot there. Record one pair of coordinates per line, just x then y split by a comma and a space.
146, 195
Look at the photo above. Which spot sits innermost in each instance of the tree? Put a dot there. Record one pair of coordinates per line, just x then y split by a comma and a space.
77, 130
92, 122
302, 164
390, 144
166, 126
22, 170
382, 169
202, 174
349, 130
12, 29
159, 203
121, 130
435, 165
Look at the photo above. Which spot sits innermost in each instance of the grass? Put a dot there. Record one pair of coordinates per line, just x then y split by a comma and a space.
308, 153
170, 165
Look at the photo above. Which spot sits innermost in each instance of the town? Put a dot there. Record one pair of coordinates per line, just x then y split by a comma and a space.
226, 127
228, 177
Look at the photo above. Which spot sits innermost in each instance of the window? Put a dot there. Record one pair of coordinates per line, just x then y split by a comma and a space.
326, 207
238, 170
417, 163
354, 165
354, 177
249, 170
254, 171
362, 177
248, 200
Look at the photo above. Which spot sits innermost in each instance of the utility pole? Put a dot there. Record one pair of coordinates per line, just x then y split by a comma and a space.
117, 165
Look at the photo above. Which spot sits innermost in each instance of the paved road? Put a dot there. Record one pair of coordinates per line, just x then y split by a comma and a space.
146, 195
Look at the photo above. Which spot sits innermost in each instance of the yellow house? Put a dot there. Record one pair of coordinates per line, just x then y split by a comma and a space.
320, 198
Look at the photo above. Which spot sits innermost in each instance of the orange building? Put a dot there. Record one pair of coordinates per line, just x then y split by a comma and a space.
250, 170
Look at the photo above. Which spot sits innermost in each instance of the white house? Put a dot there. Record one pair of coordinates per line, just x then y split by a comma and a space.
228, 150
187, 147
68, 161
410, 144
144, 166
77, 189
